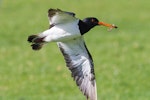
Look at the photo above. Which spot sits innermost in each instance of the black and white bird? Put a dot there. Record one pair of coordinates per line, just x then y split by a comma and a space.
68, 31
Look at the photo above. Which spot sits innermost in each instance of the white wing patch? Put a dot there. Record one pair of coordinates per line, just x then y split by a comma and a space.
61, 32
80, 63
57, 16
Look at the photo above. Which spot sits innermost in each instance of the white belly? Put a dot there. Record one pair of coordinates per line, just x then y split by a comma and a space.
62, 32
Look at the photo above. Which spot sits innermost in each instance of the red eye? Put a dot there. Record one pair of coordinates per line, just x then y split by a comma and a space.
92, 20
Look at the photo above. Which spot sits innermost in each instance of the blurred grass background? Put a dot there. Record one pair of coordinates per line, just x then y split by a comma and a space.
121, 57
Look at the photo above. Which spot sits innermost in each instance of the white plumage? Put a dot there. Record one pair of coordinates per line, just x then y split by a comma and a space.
68, 31
80, 63
61, 32
65, 31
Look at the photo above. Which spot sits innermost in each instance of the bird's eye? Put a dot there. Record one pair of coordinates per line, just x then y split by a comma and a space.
92, 20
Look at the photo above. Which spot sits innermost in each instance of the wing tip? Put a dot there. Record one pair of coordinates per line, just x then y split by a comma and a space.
92, 93
52, 12
89, 89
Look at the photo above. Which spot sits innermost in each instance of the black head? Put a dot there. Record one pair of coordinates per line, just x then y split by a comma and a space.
88, 23
91, 21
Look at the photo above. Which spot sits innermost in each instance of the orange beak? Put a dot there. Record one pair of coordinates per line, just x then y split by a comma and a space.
107, 25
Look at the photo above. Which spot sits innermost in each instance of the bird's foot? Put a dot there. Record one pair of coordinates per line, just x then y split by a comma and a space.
37, 42
37, 46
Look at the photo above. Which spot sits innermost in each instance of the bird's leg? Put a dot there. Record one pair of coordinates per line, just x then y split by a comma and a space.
37, 42
37, 46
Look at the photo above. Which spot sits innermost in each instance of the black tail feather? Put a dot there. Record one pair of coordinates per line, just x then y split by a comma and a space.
37, 42
31, 38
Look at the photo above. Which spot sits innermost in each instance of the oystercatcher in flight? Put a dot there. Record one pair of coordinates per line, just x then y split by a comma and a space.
68, 31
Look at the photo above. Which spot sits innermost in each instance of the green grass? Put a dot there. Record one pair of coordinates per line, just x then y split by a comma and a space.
121, 57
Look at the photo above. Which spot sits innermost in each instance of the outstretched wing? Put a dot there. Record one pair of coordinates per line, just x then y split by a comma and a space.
57, 16
79, 61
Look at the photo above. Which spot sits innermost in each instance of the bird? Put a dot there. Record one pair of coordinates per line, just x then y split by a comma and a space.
68, 32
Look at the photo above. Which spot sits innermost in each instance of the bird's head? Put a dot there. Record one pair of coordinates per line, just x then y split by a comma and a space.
92, 21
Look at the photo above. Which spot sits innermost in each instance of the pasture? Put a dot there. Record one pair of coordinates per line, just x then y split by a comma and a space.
121, 57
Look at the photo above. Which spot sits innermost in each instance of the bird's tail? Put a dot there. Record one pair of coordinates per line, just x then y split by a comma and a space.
37, 42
